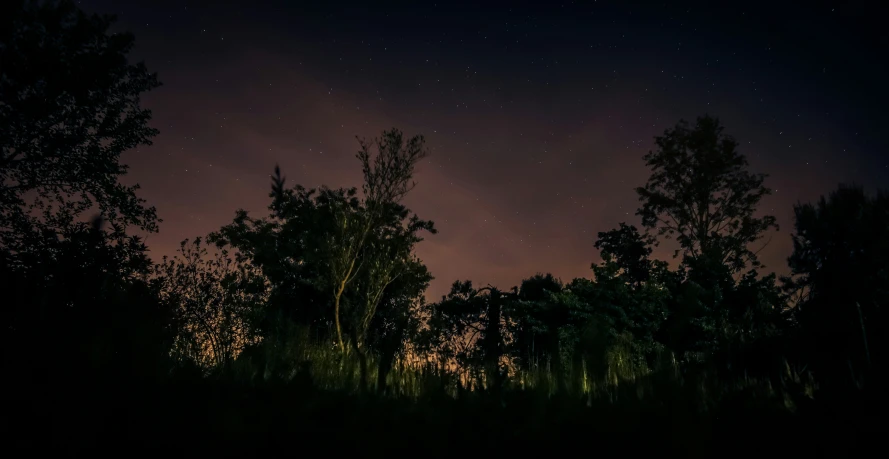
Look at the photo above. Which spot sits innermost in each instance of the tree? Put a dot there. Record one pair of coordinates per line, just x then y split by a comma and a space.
839, 278
387, 180
452, 327
287, 246
216, 299
701, 193
597, 335
492, 340
69, 106
626, 254
397, 320
368, 242
630, 280
83, 310
467, 328
335, 257
534, 322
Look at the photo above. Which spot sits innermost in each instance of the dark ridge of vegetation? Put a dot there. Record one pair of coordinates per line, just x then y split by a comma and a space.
308, 330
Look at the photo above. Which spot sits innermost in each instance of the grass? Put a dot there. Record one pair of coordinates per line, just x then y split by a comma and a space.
318, 407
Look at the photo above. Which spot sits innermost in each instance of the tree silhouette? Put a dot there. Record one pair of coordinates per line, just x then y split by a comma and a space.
468, 328
387, 257
700, 193
286, 247
216, 300
69, 106
331, 255
594, 331
387, 179
839, 278
535, 321
84, 310
397, 320
625, 253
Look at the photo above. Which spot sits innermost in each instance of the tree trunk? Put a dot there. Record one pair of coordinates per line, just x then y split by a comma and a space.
493, 339
556, 359
382, 373
362, 365
387, 355
336, 317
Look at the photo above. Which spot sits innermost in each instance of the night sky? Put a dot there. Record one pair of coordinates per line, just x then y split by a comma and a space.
537, 117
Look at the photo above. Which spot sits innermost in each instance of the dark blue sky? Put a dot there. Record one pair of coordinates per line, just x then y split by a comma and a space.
538, 114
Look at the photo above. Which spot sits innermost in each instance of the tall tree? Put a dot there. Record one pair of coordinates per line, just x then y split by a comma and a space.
334, 255
388, 256
701, 193
388, 177
69, 106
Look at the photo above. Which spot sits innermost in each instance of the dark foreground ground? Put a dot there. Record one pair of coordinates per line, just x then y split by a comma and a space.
290, 420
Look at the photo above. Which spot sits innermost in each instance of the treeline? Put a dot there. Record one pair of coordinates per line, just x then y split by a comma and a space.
328, 293
334, 272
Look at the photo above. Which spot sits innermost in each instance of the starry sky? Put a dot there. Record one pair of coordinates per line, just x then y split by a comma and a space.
537, 116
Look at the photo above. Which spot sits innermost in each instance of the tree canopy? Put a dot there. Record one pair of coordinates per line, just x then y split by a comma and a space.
69, 106
701, 193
